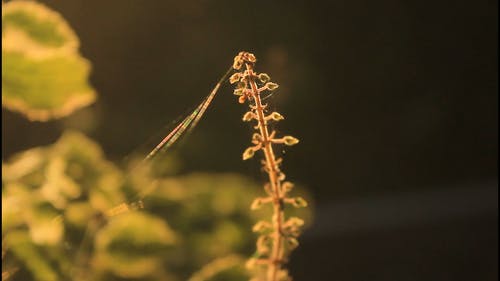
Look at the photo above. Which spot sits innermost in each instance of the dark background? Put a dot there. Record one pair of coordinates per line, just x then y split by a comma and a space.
395, 104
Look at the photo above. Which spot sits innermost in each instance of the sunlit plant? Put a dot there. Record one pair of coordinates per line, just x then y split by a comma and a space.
68, 213
277, 236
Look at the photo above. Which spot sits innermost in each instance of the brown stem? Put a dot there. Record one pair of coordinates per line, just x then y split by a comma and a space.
276, 257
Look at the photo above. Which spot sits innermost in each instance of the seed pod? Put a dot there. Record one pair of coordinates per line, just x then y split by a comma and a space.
238, 62
299, 202
235, 78
256, 204
287, 186
249, 57
263, 77
242, 99
262, 245
276, 116
256, 137
289, 140
294, 222
268, 188
282, 275
248, 116
292, 243
250, 264
271, 86
249, 153
261, 226
239, 91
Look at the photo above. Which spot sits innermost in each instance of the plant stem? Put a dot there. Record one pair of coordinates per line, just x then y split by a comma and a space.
273, 171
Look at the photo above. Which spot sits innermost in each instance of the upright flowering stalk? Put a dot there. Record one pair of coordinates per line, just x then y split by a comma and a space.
278, 236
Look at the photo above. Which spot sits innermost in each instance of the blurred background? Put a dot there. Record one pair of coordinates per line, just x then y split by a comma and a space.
395, 104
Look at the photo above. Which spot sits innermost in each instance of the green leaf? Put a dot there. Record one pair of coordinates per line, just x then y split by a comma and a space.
78, 213
15, 198
226, 268
45, 89
47, 231
23, 164
38, 27
71, 168
29, 254
131, 244
87, 167
43, 75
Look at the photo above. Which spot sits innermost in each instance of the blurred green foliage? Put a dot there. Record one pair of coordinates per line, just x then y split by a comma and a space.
70, 214
57, 223
40, 56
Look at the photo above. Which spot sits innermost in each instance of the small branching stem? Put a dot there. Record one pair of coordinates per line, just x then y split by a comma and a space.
276, 256
277, 236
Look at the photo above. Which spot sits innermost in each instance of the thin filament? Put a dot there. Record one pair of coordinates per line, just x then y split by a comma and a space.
189, 122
